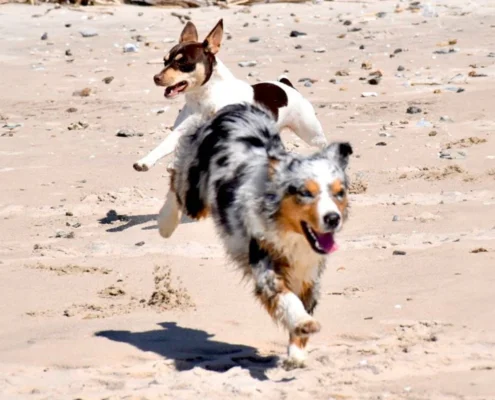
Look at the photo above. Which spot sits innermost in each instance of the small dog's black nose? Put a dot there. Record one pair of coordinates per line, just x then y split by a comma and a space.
156, 78
331, 220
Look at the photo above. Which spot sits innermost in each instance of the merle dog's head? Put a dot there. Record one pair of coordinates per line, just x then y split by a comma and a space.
311, 195
190, 63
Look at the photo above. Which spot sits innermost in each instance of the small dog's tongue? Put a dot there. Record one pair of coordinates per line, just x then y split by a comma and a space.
326, 242
172, 91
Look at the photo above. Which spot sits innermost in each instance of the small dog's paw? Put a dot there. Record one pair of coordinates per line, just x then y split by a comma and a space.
307, 327
141, 167
291, 363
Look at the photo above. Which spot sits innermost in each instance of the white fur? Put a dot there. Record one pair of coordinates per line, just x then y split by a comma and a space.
290, 311
297, 356
223, 89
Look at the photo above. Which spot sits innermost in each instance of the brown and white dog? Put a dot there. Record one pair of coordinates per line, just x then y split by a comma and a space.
192, 68
277, 213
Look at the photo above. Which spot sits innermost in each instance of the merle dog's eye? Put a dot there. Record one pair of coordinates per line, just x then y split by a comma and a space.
340, 194
301, 192
292, 190
305, 193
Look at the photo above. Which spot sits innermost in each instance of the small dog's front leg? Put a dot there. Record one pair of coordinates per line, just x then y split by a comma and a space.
168, 145
163, 149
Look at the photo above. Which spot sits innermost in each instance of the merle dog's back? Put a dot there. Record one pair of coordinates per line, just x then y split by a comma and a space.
221, 154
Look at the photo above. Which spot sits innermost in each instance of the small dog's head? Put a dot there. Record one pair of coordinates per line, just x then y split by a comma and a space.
190, 63
312, 195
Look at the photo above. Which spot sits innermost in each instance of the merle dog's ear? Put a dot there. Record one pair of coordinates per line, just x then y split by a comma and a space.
213, 41
189, 33
340, 152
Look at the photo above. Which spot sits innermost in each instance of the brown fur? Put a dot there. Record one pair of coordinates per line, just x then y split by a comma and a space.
270, 96
299, 341
292, 212
342, 203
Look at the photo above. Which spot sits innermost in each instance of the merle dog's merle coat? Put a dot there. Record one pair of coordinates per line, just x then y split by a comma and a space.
276, 212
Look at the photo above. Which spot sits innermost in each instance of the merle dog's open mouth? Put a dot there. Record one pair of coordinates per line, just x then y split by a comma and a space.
172, 91
322, 243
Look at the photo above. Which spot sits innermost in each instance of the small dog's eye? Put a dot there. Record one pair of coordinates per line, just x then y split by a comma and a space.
340, 194
184, 67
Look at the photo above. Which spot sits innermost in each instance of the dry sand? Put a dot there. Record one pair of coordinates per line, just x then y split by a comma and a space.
95, 305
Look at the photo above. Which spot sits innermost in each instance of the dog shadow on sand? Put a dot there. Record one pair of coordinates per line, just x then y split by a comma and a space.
133, 220
190, 348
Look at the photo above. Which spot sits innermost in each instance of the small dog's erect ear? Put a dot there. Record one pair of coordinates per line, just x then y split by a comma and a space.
189, 33
213, 41
339, 151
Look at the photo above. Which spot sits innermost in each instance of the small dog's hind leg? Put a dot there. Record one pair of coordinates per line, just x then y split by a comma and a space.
169, 216
308, 127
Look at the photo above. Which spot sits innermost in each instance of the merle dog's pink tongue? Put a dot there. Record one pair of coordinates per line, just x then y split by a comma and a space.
326, 242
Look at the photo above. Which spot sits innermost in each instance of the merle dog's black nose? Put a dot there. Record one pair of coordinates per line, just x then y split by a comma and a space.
156, 78
331, 220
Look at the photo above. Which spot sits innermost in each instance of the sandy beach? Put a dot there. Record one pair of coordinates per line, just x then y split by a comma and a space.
95, 305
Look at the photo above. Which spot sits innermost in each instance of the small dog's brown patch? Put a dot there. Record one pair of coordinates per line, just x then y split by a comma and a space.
270, 96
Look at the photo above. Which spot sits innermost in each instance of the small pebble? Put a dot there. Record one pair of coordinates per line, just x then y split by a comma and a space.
68, 53
446, 118
130, 48
128, 133
395, 218
399, 253
422, 123
342, 72
68, 25
88, 33
298, 47
297, 34
400, 68
413, 110
139, 244
247, 63
320, 50
381, 144
381, 14
369, 94
347, 22
452, 155
254, 39
361, 47
108, 79
71, 110
44, 36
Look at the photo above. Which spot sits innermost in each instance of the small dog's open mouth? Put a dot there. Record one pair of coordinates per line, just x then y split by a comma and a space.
172, 91
322, 243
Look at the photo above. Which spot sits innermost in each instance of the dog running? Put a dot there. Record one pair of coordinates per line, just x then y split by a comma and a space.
193, 68
276, 212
